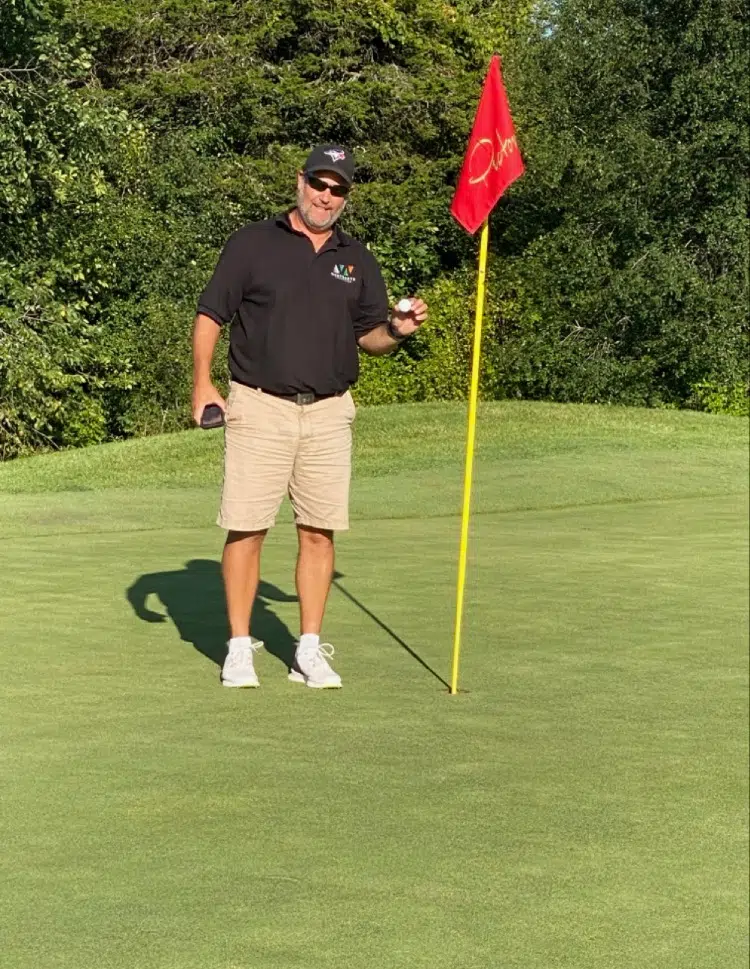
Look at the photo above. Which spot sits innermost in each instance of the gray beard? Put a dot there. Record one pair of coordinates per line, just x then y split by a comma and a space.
306, 218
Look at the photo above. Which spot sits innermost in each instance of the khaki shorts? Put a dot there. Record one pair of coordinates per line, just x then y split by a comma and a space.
273, 447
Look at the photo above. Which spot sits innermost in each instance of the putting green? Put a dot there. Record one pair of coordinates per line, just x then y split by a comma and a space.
582, 805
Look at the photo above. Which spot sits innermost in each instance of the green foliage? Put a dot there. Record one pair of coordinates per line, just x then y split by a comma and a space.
627, 239
135, 137
435, 364
64, 158
720, 399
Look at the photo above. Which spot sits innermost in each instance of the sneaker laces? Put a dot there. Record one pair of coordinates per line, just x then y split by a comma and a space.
243, 655
319, 656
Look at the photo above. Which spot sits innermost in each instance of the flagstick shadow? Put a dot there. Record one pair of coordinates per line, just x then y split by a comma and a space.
360, 605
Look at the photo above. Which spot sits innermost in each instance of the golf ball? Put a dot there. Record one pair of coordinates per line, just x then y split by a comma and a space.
404, 305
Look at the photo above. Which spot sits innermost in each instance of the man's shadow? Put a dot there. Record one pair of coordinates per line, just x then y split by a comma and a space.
193, 598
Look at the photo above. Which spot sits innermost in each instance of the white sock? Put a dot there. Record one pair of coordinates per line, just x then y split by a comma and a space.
309, 641
236, 642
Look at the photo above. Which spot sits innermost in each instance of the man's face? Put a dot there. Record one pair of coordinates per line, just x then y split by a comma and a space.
319, 209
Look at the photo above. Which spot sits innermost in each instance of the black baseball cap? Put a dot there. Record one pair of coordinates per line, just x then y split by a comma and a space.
331, 158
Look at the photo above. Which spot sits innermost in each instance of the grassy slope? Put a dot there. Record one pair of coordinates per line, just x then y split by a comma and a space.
402, 439
582, 806
529, 456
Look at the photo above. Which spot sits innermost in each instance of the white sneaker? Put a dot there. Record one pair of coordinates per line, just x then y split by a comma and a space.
238, 669
311, 668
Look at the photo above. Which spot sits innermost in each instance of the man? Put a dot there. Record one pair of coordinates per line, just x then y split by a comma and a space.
303, 295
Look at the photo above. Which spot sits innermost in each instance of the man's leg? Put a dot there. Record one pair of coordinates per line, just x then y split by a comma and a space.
260, 442
319, 489
240, 566
314, 574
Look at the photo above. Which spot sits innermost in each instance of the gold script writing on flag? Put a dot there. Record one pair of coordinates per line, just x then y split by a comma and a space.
495, 151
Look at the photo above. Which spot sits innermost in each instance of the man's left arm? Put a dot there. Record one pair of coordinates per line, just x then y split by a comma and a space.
385, 337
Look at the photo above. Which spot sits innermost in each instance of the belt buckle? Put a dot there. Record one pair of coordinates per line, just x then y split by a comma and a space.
305, 399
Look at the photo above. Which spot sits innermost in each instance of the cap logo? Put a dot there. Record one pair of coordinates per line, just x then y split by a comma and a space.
335, 155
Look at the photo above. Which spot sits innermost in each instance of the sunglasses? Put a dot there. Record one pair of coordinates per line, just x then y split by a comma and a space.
337, 191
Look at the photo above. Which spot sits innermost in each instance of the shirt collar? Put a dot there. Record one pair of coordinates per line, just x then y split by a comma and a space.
338, 236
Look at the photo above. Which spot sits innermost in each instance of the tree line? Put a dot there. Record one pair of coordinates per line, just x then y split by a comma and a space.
135, 136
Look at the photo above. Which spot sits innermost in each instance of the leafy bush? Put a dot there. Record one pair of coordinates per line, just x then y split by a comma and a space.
135, 137
720, 399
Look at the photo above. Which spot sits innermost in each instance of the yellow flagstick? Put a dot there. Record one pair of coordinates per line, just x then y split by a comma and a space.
473, 396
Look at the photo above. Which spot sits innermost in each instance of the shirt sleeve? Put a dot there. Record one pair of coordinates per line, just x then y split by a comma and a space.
222, 296
372, 308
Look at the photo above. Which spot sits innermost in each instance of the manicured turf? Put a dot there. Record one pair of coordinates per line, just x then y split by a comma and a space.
583, 805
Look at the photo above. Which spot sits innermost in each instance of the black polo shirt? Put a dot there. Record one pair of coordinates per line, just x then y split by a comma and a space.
297, 313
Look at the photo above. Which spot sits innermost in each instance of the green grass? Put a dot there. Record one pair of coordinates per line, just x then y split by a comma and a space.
583, 805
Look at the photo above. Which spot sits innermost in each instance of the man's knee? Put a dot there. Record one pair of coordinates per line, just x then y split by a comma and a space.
315, 538
249, 539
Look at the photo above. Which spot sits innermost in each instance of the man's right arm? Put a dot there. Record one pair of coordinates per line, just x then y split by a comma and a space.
205, 337
217, 306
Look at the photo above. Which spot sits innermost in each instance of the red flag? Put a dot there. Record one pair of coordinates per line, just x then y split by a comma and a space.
492, 158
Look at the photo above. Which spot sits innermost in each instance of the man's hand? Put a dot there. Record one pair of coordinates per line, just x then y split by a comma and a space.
405, 322
203, 395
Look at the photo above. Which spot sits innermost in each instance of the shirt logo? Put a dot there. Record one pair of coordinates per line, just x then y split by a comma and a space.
335, 155
344, 273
